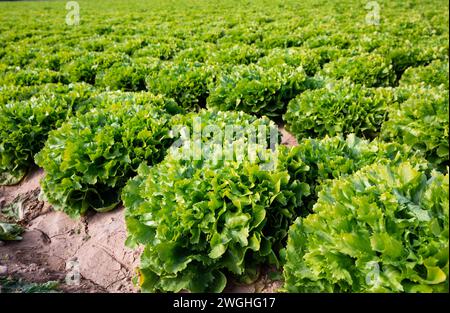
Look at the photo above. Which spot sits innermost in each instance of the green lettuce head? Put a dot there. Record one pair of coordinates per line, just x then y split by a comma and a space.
202, 220
383, 229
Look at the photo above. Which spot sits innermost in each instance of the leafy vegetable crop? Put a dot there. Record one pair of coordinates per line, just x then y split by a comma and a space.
258, 90
185, 82
383, 229
434, 74
370, 70
201, 219
24, 127
99, 104
421, 121
334, 157
340, 108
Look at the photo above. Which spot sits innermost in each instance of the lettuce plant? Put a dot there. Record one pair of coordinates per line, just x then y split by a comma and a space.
433, 74
232, 53
202, 220
239, 121
24, 126
185, 82
258, 90
421, 121
30, 77
12, 93
85, 67
90, 157
161, 47
383, 229
308, 59
370, 70
405, 54
72, 92
122, 76
340, 108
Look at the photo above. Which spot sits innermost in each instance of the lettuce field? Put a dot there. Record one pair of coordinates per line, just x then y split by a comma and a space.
208, 146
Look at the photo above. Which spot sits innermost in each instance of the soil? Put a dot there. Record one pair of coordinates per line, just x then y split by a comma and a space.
84, 255
287, 138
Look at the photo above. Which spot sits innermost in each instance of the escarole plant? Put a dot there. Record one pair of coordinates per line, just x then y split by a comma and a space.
383, 229
340, 108
90, 157
204, 219
421, 122
25, 123
258, 90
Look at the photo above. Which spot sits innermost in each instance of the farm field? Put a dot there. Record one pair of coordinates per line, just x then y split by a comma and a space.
232, 146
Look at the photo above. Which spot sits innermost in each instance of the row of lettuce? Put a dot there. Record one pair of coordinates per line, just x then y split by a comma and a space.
360, 205
262, 87
413, 113
254, 64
